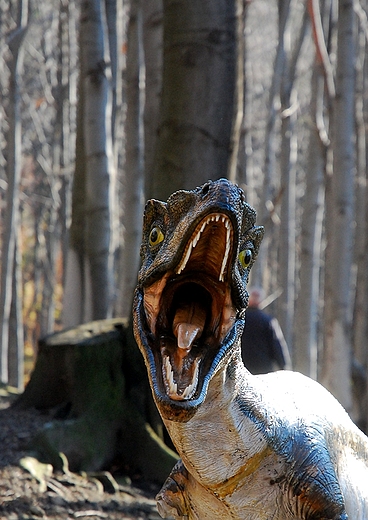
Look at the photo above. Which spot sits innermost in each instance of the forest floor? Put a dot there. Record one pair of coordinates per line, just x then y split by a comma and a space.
59, 496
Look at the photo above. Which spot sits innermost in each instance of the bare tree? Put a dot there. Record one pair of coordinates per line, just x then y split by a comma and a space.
199, 94
288, 162
134, 160
92, 254
152, 35
269, 197
340, 211
9, 275
308, 307
307, 302
361, 193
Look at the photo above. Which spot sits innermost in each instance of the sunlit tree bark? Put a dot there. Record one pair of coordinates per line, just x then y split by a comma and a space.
288, 165
16, 334
97, 142
361, 193
199, 94
307, 302
13, 170
134, 161
77, 304
360, 316
336, 369
268, 252
143, 91
91, 256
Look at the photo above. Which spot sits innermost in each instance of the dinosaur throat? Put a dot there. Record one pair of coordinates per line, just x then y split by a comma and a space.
189, 310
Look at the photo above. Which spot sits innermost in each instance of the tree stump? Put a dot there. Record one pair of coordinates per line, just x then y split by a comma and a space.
95, 377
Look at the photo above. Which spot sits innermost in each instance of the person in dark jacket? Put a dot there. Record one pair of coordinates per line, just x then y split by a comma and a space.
263, 345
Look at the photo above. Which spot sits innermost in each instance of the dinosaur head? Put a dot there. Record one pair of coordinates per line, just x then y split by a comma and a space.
197, 250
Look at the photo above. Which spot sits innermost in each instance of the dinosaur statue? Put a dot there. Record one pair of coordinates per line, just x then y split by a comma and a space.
270, 447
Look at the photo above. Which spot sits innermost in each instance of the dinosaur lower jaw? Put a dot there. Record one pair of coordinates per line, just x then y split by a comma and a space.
178, 398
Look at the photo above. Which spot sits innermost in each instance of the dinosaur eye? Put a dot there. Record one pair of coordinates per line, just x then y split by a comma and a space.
245, 257
156, 236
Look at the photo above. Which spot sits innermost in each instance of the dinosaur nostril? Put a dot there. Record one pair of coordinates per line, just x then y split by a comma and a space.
205, 188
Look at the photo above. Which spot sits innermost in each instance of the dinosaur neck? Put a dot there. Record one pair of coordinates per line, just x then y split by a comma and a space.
219, 440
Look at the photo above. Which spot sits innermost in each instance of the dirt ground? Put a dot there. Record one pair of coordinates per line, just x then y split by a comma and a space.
63, 496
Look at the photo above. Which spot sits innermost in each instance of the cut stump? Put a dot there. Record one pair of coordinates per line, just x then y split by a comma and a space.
94, 377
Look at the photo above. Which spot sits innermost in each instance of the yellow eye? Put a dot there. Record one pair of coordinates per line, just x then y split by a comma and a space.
245, 257
156, 236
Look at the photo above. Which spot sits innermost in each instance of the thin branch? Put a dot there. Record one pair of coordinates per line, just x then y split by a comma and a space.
362, 16
321, 49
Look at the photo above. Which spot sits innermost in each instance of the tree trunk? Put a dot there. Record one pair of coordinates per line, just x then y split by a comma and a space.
336, 369
153, 54
88, 292
266, 254
112, 39
98, 160
77, 304
199, 94
16, 331
360, 322
13, 170
134, 162
288, 162
307, 302
287, 253
360, 317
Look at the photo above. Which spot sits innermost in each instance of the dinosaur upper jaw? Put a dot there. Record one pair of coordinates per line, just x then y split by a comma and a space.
188, 317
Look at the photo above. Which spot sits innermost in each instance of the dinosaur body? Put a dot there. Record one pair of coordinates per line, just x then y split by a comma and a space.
271, 447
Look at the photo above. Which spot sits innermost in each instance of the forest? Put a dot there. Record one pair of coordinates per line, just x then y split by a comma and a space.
105, 104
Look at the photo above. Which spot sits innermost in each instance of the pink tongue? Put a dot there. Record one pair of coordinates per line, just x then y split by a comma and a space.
188, 324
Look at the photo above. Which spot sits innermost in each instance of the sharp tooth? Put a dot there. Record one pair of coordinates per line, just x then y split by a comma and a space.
173, 387
187, 392
169, 372
190, 388
218, 218
224, 261
185, 259
196, 239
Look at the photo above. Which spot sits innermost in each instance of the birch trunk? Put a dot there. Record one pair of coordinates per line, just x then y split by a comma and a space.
77, 304
307, 301
360, 322
134, 165
13, 170
16, 329
360, 317
288, 161
98, 161
266, 256
336, 370
286, 271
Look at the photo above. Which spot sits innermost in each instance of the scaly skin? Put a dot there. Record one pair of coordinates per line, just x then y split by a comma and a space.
272, 447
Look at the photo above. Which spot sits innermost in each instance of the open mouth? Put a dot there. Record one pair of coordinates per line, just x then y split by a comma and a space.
189, 311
